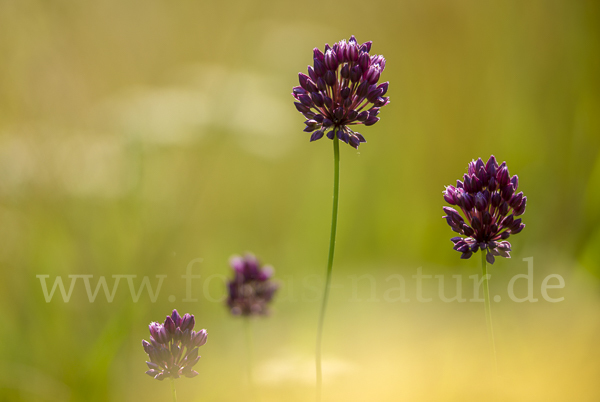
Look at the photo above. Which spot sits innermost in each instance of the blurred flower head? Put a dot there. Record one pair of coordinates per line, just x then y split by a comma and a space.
341, 90
251, 289
490, 206
173, 347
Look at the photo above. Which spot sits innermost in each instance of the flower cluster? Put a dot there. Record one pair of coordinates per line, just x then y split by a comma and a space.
489, 202
251, 289
341, 90
173, 347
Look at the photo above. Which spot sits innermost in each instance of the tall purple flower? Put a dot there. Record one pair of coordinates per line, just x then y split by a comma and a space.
251, 289
341, 90
173, 347
490, 205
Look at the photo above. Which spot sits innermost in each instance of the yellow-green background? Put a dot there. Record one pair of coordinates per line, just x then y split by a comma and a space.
138, 135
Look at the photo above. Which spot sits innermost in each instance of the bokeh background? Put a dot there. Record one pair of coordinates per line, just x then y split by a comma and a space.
137, 136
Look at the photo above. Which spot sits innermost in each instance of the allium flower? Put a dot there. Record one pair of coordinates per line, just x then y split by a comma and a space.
173, 347
341, 90
251, 289
490, 205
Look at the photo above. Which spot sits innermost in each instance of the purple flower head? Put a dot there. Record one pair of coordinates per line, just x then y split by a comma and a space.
490, 205
341, 90
251, 288
173, 347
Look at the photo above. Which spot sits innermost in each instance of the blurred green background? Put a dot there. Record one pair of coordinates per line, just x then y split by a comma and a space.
136, 136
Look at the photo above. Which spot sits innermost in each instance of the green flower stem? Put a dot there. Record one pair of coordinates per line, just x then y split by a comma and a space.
249, 356
173, 389
488, 312
336, 190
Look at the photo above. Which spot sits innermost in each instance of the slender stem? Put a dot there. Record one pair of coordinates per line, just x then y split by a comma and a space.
173, 389
336, 190
249, 356
488, 312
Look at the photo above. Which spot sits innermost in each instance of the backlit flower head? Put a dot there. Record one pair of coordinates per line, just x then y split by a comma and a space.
490, 206
251, 289
341, 90
173, 347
